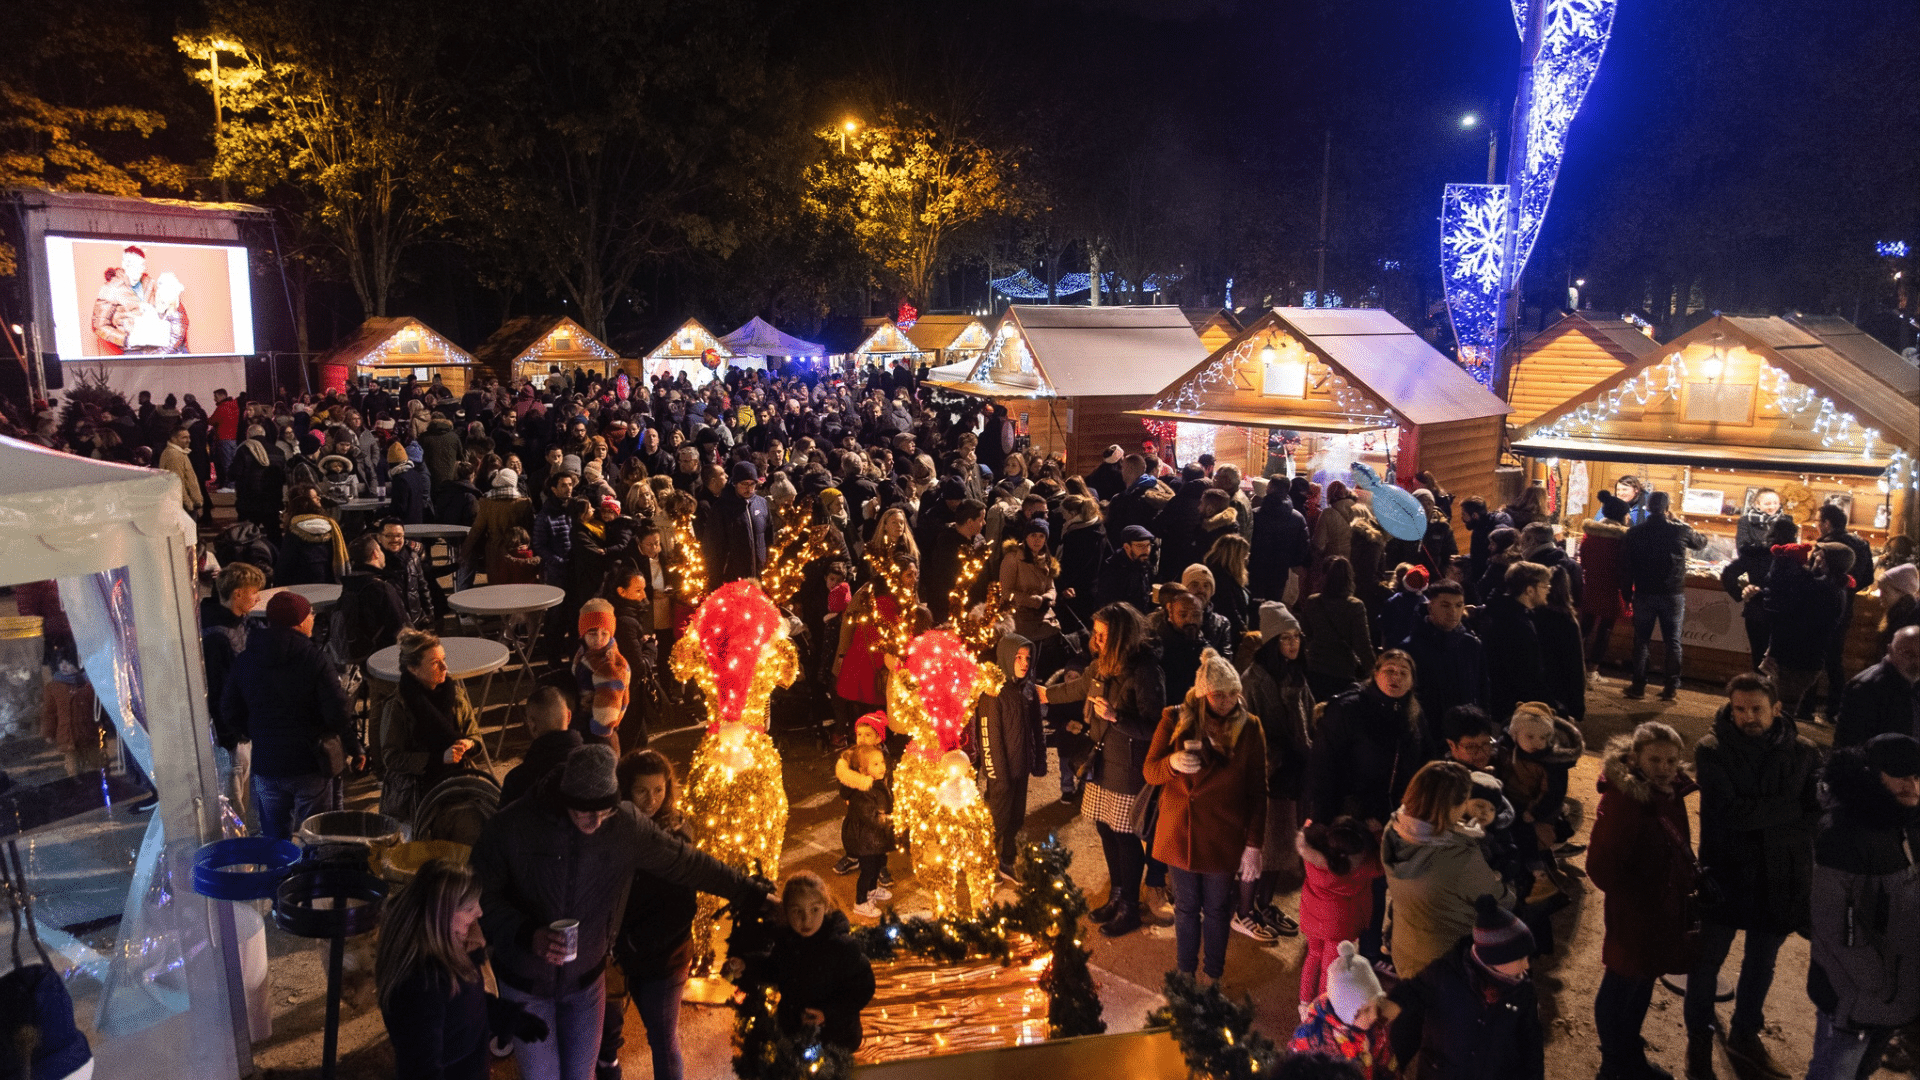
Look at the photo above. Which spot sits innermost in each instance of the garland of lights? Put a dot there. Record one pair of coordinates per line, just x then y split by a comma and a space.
1237, 371
1047, 909
1021, 285
936, 799
1010, 346
1790, 400
736, 651
377, 356
689, 564
980, 627
894, 634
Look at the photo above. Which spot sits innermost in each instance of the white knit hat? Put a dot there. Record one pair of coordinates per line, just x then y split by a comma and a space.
1351, 983
1216, 675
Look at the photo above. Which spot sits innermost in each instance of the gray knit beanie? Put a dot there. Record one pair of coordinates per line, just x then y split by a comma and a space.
587, 779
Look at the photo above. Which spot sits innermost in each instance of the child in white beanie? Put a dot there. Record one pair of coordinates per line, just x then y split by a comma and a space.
1346, 1021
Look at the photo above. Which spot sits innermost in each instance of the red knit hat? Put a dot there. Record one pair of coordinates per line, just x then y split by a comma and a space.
875, 720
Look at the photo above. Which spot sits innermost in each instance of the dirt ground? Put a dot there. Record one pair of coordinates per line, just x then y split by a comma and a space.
1129, 969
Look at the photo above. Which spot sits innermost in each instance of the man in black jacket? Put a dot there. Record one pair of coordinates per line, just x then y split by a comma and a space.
569, 850
1759, 806
1480, 523
1281, 545
1516, 666
1833, 530
550, 727
1654, 558
1126, 576
1886, 696
1450, 666
741, 527
940, 559
284, 695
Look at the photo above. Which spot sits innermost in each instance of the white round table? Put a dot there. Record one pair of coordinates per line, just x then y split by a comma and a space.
319, 596
363, 505
466, 658
503, 602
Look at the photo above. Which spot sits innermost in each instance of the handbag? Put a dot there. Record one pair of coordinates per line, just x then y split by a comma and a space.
1143, 816
330, 752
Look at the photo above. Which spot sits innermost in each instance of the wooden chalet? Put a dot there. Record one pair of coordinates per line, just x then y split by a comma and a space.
950, 339
1568, 357
1070, 375
692, 350
387, 350
535, 346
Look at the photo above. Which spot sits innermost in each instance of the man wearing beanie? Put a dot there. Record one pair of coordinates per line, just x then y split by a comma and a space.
741, 525
569, 850
1210, 759
1106, 479
409, 495
284, 695
1473, 1013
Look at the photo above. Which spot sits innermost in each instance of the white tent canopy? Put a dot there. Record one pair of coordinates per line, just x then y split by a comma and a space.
757, 337
116, 540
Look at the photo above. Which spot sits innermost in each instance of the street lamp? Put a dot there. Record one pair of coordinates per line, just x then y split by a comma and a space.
1472, 120
847, 129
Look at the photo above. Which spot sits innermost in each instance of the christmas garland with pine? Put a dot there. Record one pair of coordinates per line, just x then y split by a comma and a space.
1048, 909
1214, 1032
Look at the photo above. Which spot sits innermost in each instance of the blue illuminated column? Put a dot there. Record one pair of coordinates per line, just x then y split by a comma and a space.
1555, 77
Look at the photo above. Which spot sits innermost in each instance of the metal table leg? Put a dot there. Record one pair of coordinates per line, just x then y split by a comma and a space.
526, 650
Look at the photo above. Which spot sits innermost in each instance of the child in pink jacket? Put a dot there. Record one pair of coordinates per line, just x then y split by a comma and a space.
1336, 902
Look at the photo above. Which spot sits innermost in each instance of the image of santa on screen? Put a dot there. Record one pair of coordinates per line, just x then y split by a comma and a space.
138, 313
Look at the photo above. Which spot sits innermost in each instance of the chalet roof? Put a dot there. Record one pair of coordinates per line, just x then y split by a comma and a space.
932, 332
1200, 318
369, 340
1806, 359
1388, 360
515, 336
666, 343
1108, 351
1866, 351
1626, 341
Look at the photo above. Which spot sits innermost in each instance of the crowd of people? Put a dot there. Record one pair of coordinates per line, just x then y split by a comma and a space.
1249, 687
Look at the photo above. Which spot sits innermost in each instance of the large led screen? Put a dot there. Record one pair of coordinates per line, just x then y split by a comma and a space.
115, 298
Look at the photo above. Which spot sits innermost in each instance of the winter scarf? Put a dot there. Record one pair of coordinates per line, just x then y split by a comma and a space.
604, 674
436, 720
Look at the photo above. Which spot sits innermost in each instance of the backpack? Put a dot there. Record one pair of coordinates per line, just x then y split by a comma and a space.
243, 541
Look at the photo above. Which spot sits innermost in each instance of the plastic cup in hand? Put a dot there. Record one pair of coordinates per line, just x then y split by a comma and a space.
570, 930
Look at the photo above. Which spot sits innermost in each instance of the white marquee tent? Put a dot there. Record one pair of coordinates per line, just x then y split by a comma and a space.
115, 538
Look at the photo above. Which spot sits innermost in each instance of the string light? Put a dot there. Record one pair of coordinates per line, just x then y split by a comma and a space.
1891, 249
684, 353
886, 340
578, 341
689, 563
1472, 251
798, 543
736, 650
387, 351
1240, 371
1021, 285
1011, 355
893, 633
936, 798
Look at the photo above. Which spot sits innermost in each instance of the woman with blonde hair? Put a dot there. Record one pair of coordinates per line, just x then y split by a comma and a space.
1228, 558
892, 537
438, 1013
1435, 869
429, 731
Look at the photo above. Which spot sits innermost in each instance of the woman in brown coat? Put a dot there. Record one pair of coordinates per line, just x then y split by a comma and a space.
496, 515
1210, 759
1026, 581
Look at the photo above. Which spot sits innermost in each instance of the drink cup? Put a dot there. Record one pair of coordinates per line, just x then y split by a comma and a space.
569, 929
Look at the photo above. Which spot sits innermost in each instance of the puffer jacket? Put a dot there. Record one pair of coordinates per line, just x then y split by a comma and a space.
313, 552
284, 694
1601, 543
1434, 877
1280, 543
1655, 556
1029, 587
1803, 608
1333, 535
1640, 855
1759, 806
1865, 970
1465, 1024
440, 451
1276, 692
1339, 636
1365, 750
535, 866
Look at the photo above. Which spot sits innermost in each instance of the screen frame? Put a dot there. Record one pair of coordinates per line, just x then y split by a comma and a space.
65, 307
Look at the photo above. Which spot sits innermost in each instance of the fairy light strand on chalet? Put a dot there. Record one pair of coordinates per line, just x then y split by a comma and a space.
1240, 370
1784, 398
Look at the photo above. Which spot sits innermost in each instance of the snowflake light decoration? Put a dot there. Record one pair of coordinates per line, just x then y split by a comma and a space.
1472, 247
1573, 38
